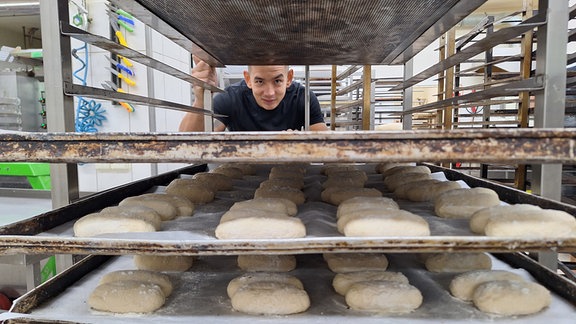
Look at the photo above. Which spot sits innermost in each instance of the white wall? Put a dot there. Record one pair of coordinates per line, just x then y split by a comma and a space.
97, 177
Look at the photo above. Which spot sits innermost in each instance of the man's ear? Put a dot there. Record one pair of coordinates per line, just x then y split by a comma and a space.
289, 77
247, 79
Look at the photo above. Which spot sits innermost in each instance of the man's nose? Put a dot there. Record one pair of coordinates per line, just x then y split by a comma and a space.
268, 90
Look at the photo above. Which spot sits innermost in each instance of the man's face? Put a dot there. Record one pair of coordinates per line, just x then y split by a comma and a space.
268, 84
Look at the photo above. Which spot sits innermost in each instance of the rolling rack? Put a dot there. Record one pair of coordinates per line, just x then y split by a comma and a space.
315, 41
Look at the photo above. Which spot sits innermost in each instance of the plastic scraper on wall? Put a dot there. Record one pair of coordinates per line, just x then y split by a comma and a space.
109, 85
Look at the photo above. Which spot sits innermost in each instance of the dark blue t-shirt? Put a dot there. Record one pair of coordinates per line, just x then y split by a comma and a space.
244, 114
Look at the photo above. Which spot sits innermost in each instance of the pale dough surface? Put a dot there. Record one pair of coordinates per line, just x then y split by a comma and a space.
383, 296
295, 183
399, 169
252, 277
343, 281
337, 195
401, 192
533, 223
229, 171
351, 174
387, 222
507, 297
480, 218
184, 206
396, 180
127, 297
233, 214
344, 182
177, 263
292, 194
138, 212
329, 168
429, 193
165, 209
463, 285
280, 205
384, 166
192, 189
261, 228
463, 202
217, 181
270, 298
355, 204
154, 277
457, 262
267, 263
353, 262
97, 224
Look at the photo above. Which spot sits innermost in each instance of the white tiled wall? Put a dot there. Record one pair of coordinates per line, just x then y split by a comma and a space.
97, 177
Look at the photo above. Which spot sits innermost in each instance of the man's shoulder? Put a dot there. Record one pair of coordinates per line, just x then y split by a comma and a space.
237, 87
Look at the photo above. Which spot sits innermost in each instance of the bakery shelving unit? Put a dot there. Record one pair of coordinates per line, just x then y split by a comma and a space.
546, 145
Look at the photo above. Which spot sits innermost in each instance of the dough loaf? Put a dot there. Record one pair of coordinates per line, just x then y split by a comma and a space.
337, 195
267, 263
343, 182
429, 193
505, 297
399, 169
401, 192
217, 181
387, 222
343, 281
253, 277
330, 168
463, 202
280, 205
254, 227
127, 297
384, 166
192, 189
136, 212
396, 180
165, 209
458, 262
160, 279
282, 182
270, 298
184, 206
176, 263
292, 194
533, 223
384, 297
355, 204
463, 285
229, 171
354, 262
479, 219
97, 224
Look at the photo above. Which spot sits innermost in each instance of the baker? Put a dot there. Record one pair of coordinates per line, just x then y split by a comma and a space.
266, 100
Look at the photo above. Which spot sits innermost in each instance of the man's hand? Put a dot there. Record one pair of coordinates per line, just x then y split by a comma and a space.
203, 71
192, 122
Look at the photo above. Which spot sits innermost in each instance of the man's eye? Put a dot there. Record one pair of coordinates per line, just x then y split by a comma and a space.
279, 81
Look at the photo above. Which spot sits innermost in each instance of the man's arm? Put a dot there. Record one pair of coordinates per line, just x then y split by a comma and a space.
192, 122
319, 127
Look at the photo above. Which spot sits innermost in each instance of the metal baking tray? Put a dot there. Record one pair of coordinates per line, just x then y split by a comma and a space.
511, 146
200, 294
52, 232
308, 32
